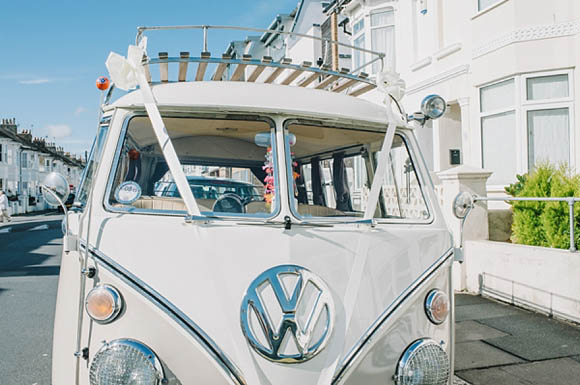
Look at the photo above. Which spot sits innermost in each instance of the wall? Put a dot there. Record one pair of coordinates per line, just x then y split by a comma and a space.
541, 278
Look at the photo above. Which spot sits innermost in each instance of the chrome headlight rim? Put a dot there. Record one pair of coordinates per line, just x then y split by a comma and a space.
433, 294
117, 303
411, 352
139, 346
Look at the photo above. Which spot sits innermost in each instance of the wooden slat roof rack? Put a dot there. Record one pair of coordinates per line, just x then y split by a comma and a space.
250, 69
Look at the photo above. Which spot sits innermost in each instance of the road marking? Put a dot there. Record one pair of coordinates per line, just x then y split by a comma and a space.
41, 227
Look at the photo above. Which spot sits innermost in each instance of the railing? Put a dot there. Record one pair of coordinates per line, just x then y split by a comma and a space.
571, 201
378, 56
491, 289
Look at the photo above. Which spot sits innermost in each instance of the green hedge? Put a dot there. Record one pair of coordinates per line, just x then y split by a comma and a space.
545, 223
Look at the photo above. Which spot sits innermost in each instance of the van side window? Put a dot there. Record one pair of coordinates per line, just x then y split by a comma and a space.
86, 182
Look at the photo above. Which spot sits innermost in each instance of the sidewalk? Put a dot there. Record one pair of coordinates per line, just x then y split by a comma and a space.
498, 344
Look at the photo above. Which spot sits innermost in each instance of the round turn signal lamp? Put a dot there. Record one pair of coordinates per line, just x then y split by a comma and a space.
103, 304
437, 306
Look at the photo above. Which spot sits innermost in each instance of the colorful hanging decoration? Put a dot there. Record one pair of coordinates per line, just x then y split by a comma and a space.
268, 167
102, 83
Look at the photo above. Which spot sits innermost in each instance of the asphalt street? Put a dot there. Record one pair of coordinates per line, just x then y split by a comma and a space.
29, 267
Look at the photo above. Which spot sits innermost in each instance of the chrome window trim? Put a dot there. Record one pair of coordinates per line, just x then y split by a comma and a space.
105, 121
141, 347
230, 369
361, 346
202, 115
412, 154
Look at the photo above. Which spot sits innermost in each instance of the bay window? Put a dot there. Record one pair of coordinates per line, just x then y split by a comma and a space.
525, 121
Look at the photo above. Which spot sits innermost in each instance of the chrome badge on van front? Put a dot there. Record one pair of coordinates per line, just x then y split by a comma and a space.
287, 314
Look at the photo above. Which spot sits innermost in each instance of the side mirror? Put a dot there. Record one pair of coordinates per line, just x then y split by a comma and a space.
462, 206
55, 190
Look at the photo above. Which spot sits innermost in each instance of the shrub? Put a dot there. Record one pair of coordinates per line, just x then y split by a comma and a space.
556, 215
544, 223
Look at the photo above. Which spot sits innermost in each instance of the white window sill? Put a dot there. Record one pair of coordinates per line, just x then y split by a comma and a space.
421, 64
449, 50
488, 9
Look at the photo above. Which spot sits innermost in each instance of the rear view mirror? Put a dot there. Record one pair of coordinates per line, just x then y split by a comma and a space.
55, 190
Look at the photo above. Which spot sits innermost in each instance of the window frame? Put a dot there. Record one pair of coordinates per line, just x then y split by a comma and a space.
522, 107
175, 213
370, 29
416, 160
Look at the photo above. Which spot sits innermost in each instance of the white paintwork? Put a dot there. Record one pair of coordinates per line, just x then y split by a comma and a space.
204, 269
533, 274
273, 98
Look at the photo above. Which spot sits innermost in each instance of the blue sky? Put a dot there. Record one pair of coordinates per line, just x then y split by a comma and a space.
53, 51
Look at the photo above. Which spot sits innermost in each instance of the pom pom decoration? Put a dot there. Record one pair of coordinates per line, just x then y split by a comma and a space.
268, 167
103, 83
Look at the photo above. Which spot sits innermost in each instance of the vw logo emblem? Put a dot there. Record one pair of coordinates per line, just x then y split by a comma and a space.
287, 314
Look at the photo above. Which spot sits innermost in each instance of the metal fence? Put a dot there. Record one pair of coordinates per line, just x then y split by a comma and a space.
571, 201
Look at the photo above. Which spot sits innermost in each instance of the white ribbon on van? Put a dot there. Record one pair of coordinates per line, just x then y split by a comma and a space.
128, 73
391, 85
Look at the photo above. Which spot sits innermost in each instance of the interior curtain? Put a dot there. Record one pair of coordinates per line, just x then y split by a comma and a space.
317, 191
383, 40
547, 87
498, 135
340, 182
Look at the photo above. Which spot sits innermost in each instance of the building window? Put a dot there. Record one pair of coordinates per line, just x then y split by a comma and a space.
547, 108
498, 131
383, 37
358, 33
520, 132
484, 4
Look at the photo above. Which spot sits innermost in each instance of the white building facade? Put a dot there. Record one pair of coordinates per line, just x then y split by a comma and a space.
24, 163
505, 67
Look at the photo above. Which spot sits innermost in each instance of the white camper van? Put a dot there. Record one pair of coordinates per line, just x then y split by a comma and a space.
261, 225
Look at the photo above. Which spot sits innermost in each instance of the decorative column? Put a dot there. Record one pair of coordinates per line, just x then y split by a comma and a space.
453, 181
467, 156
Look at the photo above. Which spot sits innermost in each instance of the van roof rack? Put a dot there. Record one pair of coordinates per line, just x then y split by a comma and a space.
282, 72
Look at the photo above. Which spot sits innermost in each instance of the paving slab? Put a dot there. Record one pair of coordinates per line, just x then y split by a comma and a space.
483, 310
469, 299
475, 331
534, 337
478, 354
562, 371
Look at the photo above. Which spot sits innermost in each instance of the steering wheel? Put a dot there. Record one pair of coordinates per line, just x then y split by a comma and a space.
229, 203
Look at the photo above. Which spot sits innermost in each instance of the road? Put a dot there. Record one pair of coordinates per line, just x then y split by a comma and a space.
29, 267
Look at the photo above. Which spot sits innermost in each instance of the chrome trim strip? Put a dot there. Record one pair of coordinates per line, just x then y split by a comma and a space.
358, 349
232, 371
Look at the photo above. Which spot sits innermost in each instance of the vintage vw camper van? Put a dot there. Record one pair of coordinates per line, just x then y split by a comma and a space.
261, 225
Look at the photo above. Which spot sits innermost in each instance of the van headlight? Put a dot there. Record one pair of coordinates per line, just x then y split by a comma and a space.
125, 362
423, 363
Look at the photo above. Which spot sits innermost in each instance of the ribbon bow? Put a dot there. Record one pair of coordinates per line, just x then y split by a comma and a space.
124, 71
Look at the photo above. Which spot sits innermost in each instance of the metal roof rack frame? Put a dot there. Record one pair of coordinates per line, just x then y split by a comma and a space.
354, 82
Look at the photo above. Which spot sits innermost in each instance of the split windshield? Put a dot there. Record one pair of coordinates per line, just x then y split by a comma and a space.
231, 170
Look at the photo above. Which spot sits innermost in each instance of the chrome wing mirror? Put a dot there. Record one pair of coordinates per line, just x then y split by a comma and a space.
55, 191
462, 206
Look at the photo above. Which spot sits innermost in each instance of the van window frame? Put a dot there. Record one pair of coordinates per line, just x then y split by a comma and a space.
416, 160
104, 124
182, 213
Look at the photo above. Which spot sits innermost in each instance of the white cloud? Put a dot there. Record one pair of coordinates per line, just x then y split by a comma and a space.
59, 131
37, 81
80, 110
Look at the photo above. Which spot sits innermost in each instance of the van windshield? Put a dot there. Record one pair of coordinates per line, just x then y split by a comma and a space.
333, 170
228, 164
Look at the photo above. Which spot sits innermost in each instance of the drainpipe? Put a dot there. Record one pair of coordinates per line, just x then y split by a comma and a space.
334, 36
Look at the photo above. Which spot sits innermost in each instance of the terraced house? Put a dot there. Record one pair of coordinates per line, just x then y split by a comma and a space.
25, 161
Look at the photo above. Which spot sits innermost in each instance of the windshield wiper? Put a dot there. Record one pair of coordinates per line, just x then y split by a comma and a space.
287, 223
